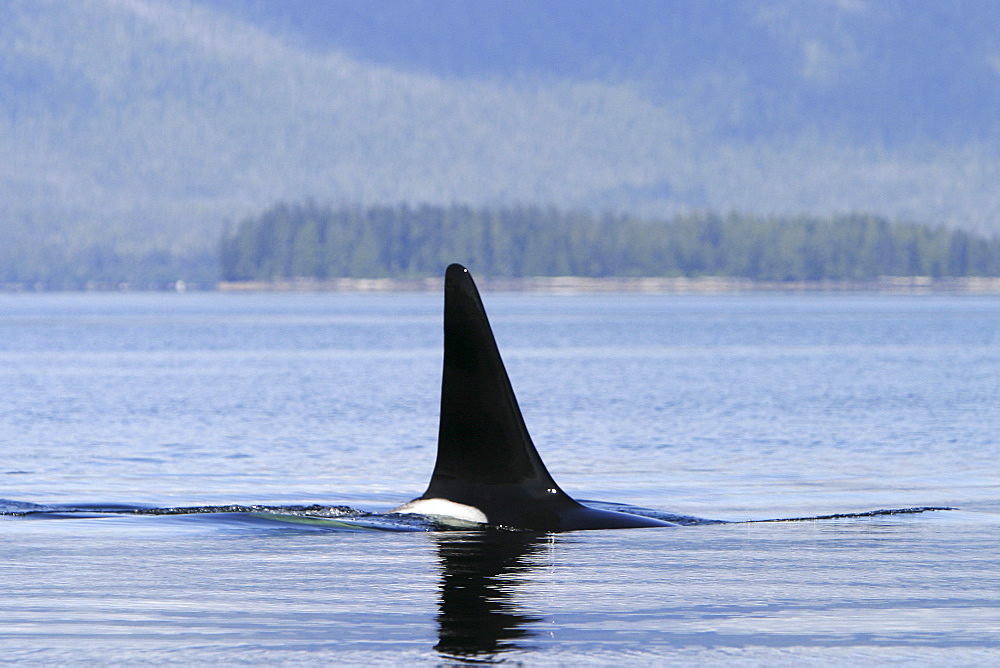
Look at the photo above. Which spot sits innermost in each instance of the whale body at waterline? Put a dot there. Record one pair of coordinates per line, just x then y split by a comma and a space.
488, 470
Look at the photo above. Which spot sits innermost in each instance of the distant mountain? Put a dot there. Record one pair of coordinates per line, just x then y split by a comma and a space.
139, 127
886, 71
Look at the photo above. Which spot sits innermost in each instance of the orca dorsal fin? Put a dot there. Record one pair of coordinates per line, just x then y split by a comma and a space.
483, 443
487, 468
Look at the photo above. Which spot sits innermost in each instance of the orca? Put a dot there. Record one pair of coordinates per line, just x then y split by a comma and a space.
488, 470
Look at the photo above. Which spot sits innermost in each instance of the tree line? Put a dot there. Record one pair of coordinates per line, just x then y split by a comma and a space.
312, 241
102, 266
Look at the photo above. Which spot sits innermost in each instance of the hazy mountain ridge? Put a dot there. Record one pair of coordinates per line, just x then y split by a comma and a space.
874, 70
213, 113
146, 124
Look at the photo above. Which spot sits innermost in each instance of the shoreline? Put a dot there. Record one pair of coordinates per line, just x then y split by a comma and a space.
559, 285
578, 284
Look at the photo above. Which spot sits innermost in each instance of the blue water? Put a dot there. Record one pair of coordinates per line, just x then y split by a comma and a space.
735, 408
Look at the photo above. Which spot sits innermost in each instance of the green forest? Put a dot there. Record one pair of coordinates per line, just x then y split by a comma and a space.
312, 241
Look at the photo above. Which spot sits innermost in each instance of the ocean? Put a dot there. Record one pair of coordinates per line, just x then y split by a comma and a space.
741, 408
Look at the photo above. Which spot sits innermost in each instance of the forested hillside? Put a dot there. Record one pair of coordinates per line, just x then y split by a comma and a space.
313, 241
131, 130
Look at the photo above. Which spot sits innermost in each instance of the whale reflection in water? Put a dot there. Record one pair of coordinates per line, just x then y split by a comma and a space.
478, 614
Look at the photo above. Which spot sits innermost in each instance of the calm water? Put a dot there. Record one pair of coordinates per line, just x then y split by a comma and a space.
721, 407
